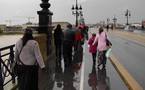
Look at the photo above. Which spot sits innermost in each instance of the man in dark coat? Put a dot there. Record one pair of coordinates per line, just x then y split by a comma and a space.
68, 43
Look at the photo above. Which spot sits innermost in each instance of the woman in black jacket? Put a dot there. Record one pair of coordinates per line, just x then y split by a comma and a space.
58, 36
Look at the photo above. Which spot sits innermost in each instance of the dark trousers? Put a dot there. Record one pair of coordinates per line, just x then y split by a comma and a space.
58, 48
102, 58
67, 53
94, 57
28, 79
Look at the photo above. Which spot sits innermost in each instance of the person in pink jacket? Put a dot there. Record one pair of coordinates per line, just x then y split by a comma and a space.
93, 48
101, 38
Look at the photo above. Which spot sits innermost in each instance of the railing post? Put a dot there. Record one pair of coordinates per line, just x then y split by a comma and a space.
12, 61
1, 79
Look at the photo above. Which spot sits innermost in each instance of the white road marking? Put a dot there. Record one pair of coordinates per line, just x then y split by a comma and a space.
82, 77
82, 70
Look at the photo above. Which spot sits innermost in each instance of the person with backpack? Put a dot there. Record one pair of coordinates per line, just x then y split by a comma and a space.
27, 58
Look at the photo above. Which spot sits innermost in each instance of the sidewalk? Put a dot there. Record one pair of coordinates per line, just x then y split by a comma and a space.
46, 78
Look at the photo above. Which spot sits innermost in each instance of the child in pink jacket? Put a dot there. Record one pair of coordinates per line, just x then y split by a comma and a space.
93, 48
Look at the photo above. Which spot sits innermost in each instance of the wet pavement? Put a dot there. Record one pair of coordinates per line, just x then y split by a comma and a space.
60, 78
82, 75
101, 79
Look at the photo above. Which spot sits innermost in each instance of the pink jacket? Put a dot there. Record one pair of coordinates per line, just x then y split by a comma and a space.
92, 48
101, 39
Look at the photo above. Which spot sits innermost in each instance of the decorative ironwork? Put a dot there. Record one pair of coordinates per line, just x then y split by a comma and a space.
127, 14
6, 61
77, 11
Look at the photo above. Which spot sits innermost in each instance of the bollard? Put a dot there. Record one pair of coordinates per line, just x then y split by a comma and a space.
1, 79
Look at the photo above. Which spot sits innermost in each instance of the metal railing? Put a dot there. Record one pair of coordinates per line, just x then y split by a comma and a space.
6, 61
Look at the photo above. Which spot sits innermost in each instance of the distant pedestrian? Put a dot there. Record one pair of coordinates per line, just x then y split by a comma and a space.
101, 39
107, 27
112, 26
28, 57
84, 31
79, 38
93, 48
58, 38
68, 43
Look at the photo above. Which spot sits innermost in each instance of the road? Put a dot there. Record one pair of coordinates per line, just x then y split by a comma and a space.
131, 55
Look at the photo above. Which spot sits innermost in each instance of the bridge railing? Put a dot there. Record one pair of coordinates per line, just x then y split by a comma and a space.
6, 61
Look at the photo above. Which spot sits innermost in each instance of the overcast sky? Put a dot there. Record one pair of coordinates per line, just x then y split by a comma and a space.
94, 11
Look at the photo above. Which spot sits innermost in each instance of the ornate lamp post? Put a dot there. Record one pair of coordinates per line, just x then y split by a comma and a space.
45, 17
45, 21
77, 11
127, 14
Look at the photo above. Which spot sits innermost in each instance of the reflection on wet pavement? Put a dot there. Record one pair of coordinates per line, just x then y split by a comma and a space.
68, 78
98, 79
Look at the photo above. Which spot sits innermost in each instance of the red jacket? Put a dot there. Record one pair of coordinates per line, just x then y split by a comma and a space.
78, 36
92, 48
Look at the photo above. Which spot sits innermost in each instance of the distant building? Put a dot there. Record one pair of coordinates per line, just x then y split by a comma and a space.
3, 27
29, 25
16, 28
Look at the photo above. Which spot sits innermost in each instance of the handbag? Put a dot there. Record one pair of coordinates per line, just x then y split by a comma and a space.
16, 68
108, 43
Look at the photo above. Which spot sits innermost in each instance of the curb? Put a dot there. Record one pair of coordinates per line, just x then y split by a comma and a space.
130, 82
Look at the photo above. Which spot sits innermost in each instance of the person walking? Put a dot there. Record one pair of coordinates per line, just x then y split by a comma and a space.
68, 43
93, 48
58, 37
101, 39
84, 31
107, 28
28, 57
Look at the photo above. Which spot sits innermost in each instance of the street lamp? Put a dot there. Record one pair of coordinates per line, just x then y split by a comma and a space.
77, 11
114, 20
108, 20
127, 14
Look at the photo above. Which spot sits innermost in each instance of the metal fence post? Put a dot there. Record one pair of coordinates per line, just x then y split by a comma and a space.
1, 78
12, 61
